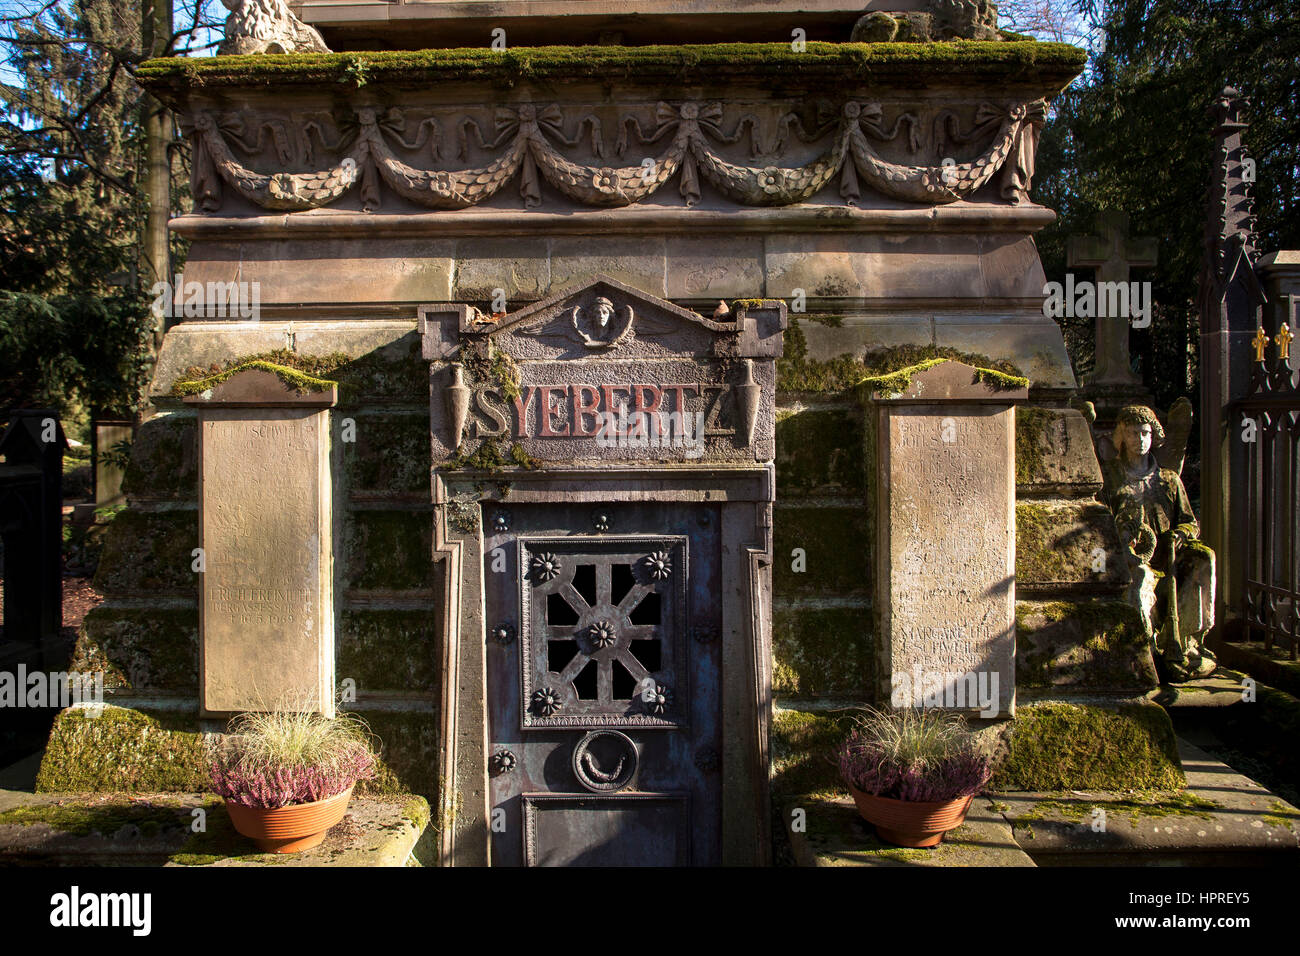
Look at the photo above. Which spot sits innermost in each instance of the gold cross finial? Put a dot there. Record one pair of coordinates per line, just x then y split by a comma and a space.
1259, 341
1283, 340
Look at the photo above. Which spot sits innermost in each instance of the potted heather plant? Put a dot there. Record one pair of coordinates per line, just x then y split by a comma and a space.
912, 773
287, 776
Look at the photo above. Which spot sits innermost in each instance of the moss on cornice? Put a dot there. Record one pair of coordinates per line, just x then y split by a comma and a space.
899, 380
704, 62
299, 381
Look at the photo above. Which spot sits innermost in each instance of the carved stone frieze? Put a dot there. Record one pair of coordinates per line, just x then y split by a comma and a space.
276, 160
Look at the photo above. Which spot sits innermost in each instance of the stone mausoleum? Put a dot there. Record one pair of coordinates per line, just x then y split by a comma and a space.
797, 240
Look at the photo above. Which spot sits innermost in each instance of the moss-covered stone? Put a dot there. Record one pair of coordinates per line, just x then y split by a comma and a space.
150, 553
804, 745
819, 452
164, 459
390, 455
141, 650
1070, 543
822, 652
1054, 450
900, 380
1058, 746
388, 550
408, 750
388, 650
879, 369
836, 545
107, 816
1086, 644
291, 377
835, 62
124, 750
395, 373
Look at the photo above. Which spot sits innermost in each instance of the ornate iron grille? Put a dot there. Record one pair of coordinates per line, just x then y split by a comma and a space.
603, 624
1272, 578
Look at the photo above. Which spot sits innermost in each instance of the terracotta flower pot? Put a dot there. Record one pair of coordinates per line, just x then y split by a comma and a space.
912, 823
289, 829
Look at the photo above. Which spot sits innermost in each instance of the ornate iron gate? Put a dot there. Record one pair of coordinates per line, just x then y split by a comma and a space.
1271, 428
602, 676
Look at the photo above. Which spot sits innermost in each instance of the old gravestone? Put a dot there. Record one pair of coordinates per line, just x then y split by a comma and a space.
266, 594
945, 532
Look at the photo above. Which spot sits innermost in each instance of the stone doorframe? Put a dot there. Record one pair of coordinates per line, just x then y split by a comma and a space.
745, 494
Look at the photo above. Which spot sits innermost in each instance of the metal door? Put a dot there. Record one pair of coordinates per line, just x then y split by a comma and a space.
603, 684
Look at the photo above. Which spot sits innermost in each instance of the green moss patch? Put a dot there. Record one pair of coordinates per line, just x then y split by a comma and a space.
836, 62
150, 553
390, 455
408, 744
804, 745
879, 368
106, 816
836, 551
899, 380
823, 652
1058, 746
164, 459
124, 750
388, 550
1065, 543
388, 649
819, 452
141, 650
1096, 644
292, 378
491, 457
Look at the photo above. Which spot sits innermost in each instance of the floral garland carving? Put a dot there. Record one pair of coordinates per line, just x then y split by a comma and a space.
525, 137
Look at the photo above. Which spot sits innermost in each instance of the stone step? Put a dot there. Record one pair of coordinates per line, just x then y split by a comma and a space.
1273, 666
1223, 688
834, 834
1222, 818
60, 829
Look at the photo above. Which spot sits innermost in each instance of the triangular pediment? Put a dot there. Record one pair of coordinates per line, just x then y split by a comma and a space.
606, 318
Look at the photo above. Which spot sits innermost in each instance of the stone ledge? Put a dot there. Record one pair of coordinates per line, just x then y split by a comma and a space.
154, 830
837, 836
1221, 817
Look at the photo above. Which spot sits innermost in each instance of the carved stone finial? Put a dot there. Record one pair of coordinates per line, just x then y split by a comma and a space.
267, 26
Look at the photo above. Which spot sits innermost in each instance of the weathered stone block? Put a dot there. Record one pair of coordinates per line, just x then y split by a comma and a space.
822, 651
388, 550
837, 550
714, 268
637, 261
804, 744
150, 552
1054, 453
819, 452
1058, 746
124, 750
141, 650
1070, 544
1094, 645
164, 459
389, 457
388, 650
482, 267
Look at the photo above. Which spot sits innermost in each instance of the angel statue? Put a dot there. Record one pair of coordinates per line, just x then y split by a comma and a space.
1172, 570
267, 26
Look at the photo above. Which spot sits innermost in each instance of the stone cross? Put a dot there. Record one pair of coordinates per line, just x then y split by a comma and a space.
1111, 253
